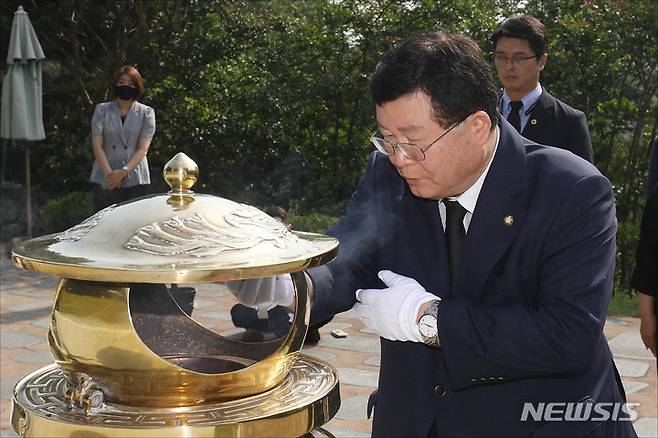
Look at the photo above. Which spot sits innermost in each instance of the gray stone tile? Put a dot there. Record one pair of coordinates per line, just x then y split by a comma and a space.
32, 305
28, 292
11, 339
369, 331
329, 357
207, 324
25, 315
629, 344
235, 333
39, 356
335, 325
631, 368
42, 323
200, 304
8, 433
358, 377
374, 361
353, 408
48, 283
630, 386
223, 316
352, 343
646, 427
214, 289
350, 314
6, 297
7, 388
615, 321
343, 433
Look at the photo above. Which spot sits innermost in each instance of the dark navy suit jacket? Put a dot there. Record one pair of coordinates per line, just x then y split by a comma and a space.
525, 323
554, 123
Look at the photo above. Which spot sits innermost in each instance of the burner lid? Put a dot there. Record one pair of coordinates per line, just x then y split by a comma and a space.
175, 237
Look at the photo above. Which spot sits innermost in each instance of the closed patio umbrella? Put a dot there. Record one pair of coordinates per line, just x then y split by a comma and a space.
22, 105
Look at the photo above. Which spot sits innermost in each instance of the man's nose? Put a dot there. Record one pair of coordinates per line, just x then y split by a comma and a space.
398, 159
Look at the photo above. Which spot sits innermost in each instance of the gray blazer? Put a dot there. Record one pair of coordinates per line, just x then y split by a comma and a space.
120, 140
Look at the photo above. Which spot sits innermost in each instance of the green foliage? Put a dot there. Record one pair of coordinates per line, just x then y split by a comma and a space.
627, 237
623, 304
271, 98
63, 212
311, 222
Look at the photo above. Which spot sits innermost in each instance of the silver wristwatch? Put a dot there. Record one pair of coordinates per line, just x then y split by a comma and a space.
427, 324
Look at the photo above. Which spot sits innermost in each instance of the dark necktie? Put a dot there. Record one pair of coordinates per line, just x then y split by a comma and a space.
455, 235
514, 118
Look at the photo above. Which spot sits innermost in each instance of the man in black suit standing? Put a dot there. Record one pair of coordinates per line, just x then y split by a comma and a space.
520, 45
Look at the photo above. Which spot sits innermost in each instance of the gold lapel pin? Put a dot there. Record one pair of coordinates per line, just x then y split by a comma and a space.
508, 220
533, 121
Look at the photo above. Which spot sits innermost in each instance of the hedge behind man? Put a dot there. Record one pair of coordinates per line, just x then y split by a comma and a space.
484, 261
520, 46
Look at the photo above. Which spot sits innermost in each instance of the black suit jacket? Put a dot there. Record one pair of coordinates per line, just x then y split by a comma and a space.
526, 322
554, 123
645, 275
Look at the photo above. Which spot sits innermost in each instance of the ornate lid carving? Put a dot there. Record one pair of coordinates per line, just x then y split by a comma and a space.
177, 237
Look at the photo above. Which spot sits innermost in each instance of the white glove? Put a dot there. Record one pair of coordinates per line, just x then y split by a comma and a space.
263, 293
393, 312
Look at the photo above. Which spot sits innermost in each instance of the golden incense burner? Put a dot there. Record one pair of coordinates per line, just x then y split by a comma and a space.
131, 363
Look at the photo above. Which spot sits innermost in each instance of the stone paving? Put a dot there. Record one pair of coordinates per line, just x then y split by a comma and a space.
26, 300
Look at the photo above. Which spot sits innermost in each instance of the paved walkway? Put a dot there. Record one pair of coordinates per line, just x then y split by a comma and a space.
26, 300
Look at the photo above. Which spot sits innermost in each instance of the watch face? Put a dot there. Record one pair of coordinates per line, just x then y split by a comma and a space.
427, 326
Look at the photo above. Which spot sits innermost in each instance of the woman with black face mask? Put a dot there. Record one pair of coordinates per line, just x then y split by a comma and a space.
121, 134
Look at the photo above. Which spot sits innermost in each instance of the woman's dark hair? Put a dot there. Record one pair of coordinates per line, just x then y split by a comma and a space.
134, 76
447, 67
526, 28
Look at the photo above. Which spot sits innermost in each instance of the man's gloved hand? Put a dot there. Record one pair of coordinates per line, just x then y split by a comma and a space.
263, 293
393, 312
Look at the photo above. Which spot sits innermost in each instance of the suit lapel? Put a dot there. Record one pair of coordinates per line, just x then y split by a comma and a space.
132, 117
115, 115
498, 215
538, 116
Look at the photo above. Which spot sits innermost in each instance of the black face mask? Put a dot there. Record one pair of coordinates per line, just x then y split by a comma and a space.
125, 92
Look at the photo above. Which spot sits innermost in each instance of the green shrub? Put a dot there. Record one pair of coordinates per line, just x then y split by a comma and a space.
311, 222
59, 214
624, 304
627, 238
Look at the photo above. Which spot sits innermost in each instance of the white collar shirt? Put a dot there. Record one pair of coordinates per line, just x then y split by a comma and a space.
469, 198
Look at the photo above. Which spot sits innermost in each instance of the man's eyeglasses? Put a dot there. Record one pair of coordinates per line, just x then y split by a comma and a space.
410, 150
517, 60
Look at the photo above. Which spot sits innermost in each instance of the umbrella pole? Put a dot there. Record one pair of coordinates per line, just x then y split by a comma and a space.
28, 189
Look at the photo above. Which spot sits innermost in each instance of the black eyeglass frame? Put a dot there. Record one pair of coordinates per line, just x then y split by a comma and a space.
516, 61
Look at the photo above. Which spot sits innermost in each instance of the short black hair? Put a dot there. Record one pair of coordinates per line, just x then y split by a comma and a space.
448, 67
526, 28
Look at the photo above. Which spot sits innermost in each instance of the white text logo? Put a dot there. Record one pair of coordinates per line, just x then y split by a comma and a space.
578, 411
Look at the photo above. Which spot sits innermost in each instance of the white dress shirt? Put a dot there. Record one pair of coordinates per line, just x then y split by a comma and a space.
469, 198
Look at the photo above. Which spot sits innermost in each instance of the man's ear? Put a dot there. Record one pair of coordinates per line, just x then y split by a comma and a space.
542, 61
480, 125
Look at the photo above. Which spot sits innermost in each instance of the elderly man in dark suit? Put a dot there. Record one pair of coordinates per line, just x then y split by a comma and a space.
485, 262
520, 45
